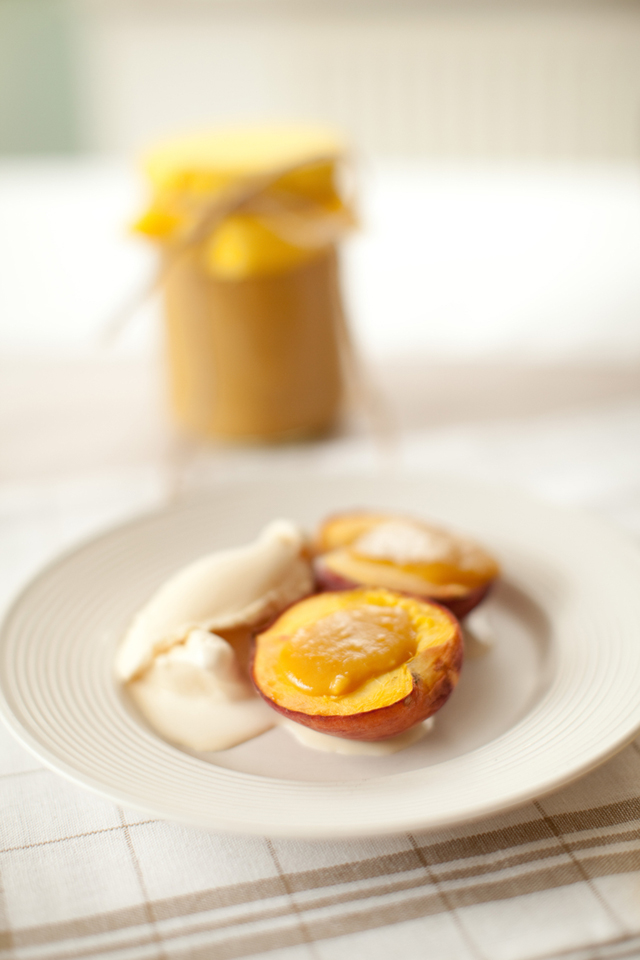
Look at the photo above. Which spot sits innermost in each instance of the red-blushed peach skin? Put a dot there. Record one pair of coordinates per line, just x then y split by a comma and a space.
434, 673
326, 579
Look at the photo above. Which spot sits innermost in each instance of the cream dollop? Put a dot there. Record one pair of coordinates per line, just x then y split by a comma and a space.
358, 748
195, 695
237, 587
406, 542
478, 634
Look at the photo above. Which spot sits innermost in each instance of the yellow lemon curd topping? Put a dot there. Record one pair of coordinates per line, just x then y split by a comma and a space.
407, 554
315, 660
296, 214
339, 652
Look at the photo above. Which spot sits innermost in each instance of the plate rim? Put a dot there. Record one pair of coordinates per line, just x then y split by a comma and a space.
119, 795
322, 833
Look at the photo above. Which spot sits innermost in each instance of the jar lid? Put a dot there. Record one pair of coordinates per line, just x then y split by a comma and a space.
210, 160
259, 200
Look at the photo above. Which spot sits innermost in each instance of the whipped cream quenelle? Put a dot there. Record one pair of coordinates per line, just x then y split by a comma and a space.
184, 678
226, 589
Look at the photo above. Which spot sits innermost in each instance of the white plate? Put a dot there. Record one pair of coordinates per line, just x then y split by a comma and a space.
556, 696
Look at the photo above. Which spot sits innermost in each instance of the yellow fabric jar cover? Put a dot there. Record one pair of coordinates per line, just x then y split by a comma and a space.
270, 194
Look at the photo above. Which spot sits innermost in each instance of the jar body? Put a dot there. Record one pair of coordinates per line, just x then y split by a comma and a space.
256, 358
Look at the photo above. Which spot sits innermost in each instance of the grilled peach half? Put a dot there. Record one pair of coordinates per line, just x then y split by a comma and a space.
410, 556
362, 664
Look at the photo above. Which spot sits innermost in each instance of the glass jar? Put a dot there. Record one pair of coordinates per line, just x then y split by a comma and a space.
248, 221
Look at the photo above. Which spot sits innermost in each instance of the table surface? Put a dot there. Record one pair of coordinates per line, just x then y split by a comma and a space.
85, 443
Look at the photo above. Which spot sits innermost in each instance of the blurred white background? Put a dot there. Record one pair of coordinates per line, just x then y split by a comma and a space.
483, 78
498, 144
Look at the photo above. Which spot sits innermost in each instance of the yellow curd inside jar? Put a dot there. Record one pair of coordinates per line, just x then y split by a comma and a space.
248, 221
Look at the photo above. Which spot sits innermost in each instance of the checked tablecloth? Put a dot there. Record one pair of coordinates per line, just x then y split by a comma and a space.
80, 877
